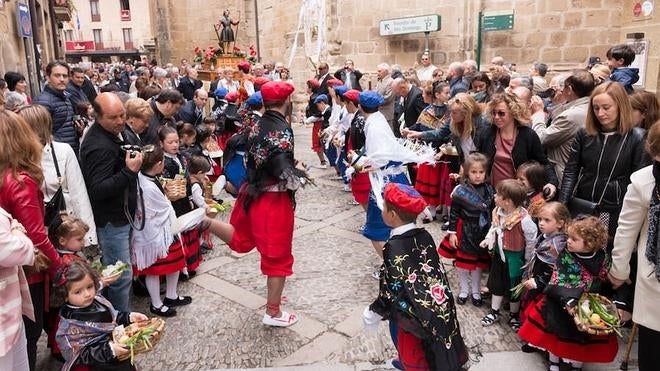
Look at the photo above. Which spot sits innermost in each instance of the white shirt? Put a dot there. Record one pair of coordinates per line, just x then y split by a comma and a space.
402, 229
426, 73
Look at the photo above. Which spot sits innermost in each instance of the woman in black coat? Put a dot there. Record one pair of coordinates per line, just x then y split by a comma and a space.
604, 155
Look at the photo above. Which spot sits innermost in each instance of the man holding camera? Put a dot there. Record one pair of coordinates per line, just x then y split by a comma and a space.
349, 75
110, 173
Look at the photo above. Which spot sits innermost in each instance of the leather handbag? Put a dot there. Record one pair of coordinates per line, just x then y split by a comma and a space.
579, 206
56, 203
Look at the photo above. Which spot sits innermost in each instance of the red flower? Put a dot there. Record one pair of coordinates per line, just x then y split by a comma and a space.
412, 277
438, 293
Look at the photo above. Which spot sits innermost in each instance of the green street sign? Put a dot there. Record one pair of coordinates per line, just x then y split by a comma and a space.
497, 22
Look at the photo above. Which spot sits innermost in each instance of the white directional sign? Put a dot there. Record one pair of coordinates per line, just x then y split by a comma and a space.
401, 26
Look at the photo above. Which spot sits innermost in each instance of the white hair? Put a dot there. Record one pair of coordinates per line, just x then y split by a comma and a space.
384, 66
159, 72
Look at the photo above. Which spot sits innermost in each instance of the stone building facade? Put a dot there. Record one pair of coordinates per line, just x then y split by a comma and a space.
561, 33
106, 30
28, 55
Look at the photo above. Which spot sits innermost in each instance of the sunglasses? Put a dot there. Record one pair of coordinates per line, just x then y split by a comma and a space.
499, 113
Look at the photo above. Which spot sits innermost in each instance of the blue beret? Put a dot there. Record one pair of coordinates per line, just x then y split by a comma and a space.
371, 99
220, 92
255, 99
341, 89
321, 98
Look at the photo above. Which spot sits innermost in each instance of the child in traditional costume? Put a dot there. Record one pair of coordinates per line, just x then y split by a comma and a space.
511, 238
581, 267
533, 176
155, 251
85, 331
354, 145
234, 165
469, 222
414, 291
553, 221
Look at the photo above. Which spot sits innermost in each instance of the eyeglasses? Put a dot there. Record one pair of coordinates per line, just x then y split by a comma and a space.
499, 113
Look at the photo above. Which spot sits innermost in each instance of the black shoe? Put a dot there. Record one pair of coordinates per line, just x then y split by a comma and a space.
185, 277
163, 311
526, 348
58, 356
139, 288
477, 302
181, 300
426, 220
461, 300
445, 226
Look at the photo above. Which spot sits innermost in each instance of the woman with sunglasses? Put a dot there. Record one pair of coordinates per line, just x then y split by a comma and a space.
603, 156
509, 142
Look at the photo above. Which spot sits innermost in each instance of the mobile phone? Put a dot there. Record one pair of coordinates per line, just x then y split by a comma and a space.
76, 118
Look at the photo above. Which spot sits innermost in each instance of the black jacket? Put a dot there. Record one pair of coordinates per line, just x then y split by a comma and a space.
188, 113
150, 135
342, 75
592, 159
187, 87
413, 105
527, 147
61, 110
106, 175
77, 95
88, 88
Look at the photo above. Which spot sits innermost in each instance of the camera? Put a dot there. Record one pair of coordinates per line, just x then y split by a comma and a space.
131, 148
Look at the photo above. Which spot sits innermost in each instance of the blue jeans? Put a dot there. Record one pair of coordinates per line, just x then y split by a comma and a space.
114, 241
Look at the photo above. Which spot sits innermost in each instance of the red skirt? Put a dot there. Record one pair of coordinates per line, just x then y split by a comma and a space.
268, 226
361, 186
411, 351
427, 183
598, 349
178, 254
446, 184
316, 140
462, 259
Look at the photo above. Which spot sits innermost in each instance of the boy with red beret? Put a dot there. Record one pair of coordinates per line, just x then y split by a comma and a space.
414, 291
263, 214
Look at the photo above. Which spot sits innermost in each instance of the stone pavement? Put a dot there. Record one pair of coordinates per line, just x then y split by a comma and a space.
332, 284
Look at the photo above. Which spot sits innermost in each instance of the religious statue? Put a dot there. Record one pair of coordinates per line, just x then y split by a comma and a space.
226, 35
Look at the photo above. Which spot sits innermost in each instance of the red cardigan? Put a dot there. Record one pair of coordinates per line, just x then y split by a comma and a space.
23, 199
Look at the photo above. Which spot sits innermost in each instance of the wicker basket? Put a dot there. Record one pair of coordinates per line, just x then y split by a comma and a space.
585, 326
157, 324
175, 189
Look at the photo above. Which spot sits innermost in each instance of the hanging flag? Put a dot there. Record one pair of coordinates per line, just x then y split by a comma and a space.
78, 22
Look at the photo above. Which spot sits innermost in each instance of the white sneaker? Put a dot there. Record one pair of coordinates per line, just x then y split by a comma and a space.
336, 177
285, 320
347, 188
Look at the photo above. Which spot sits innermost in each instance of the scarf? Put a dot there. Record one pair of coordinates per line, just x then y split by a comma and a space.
73, 335
467, 194
654, 223
547, 250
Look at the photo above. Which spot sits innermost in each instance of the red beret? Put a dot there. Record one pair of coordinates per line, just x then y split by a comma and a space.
314, 83
232, 96
261, 80
352, 95
276, 91
334, 82
404, 197
244, 66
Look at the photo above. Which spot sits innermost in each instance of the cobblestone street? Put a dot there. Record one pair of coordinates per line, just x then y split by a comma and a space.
332, 284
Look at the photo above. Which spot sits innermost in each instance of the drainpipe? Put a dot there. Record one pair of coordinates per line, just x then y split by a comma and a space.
256, 26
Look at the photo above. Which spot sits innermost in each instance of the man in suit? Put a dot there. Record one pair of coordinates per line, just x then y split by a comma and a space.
88, 85
189, 84
193, 111
384, 88
349, 76
413, 103
323, 78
